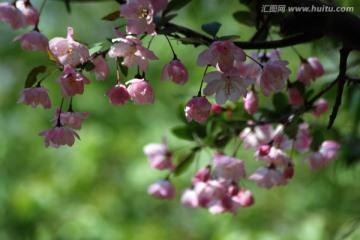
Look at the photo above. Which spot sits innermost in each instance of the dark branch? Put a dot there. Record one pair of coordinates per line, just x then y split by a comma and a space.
341, 79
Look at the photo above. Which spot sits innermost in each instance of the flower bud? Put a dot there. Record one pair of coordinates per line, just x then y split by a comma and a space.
198, 109
140, 91
162, 189
118, 95
176, 71
251, 102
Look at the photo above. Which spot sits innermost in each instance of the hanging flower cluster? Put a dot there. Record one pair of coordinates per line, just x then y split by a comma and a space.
243, 84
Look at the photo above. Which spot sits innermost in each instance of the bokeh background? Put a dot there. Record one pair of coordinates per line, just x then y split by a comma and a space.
97, 188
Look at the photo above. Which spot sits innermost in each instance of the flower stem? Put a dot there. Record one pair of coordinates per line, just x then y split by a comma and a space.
202, 81
172, 49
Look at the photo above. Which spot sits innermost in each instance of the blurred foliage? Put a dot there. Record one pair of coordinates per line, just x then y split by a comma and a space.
97, 188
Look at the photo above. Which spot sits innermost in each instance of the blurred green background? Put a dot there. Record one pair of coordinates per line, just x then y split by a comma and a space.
97, 188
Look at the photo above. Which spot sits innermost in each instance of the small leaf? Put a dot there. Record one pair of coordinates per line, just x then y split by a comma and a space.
280, 102
175, 5
124, 70
112, 16
183, 132
185, 163
211, 28
88, 66
244, 18
32, 76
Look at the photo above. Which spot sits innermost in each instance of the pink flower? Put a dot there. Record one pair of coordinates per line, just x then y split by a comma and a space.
140, 15
12, 15
70, 119
67, 51
34, 96
275, 156
249, 69
162, 189
130, 48
176, 71
244, 198
30, 13
221, 54
189, 198
295, 96
216, 108
326, 154
118, 95
227, 86
58, 136
72, 82
33, 41
228, 168
309, 70
303, 138
288, 171
274, 76
198, 109
257, 136
101, 69
203, 175
251, 102
159, 155
320, 107
141, 91
268, 177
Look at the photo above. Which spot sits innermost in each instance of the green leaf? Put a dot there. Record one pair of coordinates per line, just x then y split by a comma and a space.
280, 102
211, 28
245, 18
89, 66
181, 113
124, 70
183, 132
112, 16
32, 76
185, 163
175, 5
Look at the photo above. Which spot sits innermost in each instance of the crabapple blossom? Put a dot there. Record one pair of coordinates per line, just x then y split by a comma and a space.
295, 97
203, 175
227, 86
249, 69
118, 95
58, 136
30, 13
274, 76
72, 82
70, 119
323, 156
257, 136
198, 109
216, 108
130, 48
159, 155
33, 41
228, 168
221, 54
320, 107
10, 14
275, 156
244, 198
162, 189
251, 102
268, 177
101, 69
176, 71
309, 70
34, 96
303, 138
288, 171
140, 91
189, 198
140, 15
67, 51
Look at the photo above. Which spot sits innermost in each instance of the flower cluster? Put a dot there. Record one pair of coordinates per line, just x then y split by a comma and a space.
274, 130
